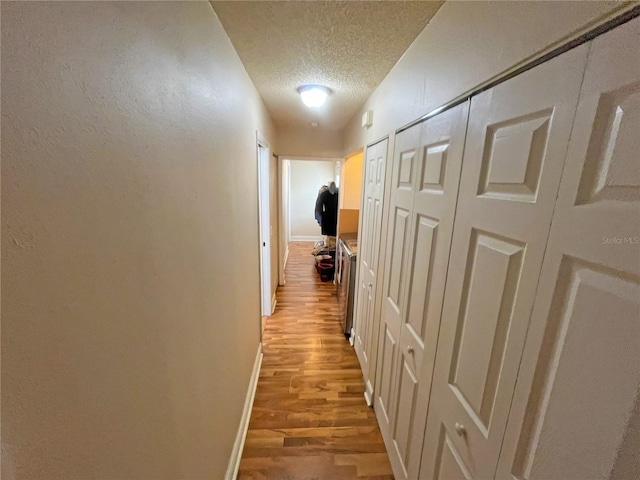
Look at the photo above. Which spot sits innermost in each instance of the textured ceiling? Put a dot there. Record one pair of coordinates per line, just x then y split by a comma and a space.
348, 46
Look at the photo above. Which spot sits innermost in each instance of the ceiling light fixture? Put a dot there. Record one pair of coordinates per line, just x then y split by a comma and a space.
313, 96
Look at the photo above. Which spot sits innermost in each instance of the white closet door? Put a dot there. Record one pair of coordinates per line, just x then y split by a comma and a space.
423, 207
368, 251
577, 396
432, 215
406, 159
516, 145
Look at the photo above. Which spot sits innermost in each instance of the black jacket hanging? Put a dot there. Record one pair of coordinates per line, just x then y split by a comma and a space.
327, 210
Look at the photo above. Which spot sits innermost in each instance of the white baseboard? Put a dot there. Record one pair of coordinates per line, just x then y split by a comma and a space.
236, 453
303, 238
273, 303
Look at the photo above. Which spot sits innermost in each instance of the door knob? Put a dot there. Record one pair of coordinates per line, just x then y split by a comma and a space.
460, 430
409, 349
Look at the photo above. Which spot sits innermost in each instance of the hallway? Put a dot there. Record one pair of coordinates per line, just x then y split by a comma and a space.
309, 417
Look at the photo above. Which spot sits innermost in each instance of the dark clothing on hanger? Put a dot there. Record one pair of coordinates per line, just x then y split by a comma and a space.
327, 210
318, 209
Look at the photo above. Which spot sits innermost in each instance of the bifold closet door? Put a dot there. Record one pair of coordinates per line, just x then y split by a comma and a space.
426, 177
576, 410
405, 162
515, 149
365, 342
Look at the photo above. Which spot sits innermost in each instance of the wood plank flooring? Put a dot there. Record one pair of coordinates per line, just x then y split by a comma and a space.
309, 419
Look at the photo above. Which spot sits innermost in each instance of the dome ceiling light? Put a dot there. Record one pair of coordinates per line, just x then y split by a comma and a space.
313, 96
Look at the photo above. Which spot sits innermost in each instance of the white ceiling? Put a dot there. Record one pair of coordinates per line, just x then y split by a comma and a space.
348, 46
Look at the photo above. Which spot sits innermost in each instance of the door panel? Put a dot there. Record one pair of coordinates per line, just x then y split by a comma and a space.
486, 311
393, 306
442, 142
421, 278
513, 157
407, 393
405, 161
572, 414
399, 251
587, 379
425, 241
515, 147
449, 464
364, 328
387, 367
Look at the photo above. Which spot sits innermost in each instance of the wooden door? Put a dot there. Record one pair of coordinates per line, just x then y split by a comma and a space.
432, 215
577, 393
368, 252
515, 148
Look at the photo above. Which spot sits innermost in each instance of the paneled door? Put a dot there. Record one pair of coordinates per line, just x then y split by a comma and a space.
406, 159
368, 252
515, 148
431, 215
577, 395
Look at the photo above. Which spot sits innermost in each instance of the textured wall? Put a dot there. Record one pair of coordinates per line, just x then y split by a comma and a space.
306, 177
130, 290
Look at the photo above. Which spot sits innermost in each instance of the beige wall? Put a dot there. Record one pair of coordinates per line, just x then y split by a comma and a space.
308, 142
351, 181
131, 301
283, 215
348, 221
306, 178
274, 217
465, 44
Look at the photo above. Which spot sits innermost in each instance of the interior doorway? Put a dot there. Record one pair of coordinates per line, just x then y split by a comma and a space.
300, 180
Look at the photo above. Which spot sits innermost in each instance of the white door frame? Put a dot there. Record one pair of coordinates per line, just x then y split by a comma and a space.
284, 167
264, 225
284, 200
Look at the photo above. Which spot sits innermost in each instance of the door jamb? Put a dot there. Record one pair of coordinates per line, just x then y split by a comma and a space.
264, 221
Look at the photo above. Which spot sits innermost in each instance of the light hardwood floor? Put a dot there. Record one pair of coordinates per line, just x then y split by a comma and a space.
309, 418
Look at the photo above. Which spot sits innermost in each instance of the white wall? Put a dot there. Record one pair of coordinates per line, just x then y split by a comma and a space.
310, 142
306, 178
464, 45
130, 272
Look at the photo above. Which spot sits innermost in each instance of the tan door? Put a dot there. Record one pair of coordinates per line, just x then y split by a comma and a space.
578, 385
515, 149
368, 252
432, 215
